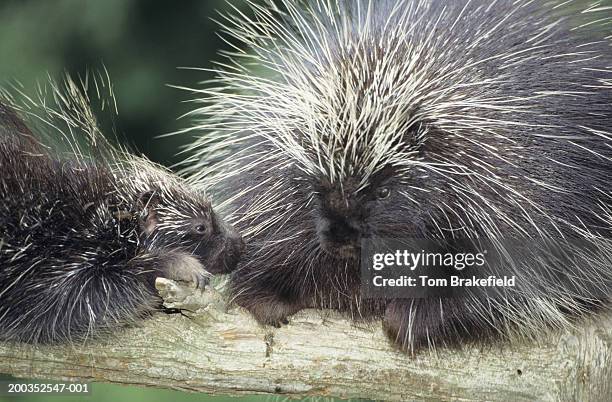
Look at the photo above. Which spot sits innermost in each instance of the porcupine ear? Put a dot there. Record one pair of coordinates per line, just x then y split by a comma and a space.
148, 202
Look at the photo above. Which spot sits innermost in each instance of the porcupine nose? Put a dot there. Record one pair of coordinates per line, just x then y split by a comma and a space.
339, 236
339, 229
337, 223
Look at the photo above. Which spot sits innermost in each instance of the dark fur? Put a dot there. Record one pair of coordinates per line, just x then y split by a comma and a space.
311, 257
79, 253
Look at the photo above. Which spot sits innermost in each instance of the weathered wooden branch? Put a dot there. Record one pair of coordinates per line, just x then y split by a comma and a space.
217, 351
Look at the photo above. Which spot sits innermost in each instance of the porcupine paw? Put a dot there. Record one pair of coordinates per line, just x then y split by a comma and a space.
185, 268
414, 324
275, 314
406, 324
393, 328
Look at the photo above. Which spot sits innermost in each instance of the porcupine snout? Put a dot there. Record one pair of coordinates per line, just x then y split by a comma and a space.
339, 222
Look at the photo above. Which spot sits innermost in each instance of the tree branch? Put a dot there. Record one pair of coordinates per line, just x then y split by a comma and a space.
217, 351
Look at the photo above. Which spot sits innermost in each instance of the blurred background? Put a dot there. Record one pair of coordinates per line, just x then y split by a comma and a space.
142, 43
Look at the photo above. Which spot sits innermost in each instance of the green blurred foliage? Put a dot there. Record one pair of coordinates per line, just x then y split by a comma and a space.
141, 42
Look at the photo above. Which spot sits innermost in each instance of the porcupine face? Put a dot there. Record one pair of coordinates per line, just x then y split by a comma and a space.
185, 222
344, 215
381, 176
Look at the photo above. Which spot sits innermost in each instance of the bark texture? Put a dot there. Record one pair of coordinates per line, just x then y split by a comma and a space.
214, 350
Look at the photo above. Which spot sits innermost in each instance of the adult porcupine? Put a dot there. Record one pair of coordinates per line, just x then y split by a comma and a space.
85, 231
355, 119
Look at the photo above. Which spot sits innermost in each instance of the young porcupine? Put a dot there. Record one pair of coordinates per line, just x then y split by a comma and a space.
354, 119
85, 231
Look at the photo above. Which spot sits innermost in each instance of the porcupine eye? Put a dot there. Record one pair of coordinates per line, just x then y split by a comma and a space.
200, 229
383, 193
